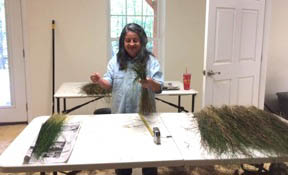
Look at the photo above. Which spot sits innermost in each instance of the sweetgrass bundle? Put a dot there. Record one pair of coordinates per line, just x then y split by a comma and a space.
95, 89
146, 104
240, 130
48, 134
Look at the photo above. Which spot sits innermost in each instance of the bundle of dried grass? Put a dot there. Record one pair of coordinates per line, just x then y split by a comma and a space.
239, 129
146, 105
48, 134
95, 89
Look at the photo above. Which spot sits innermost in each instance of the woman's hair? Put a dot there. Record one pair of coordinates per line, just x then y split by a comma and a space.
143, 54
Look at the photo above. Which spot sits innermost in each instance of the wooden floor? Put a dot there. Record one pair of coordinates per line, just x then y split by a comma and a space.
9, 132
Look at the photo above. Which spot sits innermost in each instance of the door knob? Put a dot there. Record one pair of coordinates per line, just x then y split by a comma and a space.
211, 73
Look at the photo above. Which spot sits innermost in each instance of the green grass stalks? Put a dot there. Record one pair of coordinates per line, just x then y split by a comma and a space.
140, 70
48, 134
146, 105
94, 89
239, 129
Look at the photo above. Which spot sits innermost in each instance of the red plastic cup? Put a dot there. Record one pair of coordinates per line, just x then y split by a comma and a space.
186, 81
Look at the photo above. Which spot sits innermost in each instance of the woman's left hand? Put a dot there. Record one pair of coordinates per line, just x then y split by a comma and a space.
149, 83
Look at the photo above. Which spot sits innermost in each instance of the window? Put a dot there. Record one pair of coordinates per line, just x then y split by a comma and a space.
12, 63
142, 12
4, 69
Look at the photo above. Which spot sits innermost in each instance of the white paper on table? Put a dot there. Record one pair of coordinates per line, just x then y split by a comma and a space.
60, 151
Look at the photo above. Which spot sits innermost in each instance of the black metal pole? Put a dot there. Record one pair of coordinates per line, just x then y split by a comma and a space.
53, 65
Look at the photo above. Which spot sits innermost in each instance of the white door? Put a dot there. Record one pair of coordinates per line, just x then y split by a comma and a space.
12, 70
233, 52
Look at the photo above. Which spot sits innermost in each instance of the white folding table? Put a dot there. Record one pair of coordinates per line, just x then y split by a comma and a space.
71, 90
122, 141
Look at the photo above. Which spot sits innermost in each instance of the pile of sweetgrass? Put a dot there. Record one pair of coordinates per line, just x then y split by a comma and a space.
95, 89
146, 105
239, 130
48, 134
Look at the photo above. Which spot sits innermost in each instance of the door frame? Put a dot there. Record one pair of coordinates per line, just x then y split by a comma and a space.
25, 32
264, 59
265, 49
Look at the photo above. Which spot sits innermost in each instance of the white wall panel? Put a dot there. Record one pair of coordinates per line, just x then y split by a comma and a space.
221, 92
248, 34
224, 35
245, 90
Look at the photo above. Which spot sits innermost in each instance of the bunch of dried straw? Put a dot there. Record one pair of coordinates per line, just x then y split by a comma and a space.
239, 129
95, 89
146, 105
48, 134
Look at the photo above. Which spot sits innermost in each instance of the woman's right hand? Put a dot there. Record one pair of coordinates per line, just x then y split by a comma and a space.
95, 77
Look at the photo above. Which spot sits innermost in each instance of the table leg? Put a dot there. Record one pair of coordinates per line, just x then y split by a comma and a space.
58, 105
193, 102
179, 103
64, 104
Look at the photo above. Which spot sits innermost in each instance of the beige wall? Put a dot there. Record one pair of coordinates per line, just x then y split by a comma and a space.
185, 28
277, 72
81, 46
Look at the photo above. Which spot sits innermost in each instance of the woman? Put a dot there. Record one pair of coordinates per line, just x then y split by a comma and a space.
120, 77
